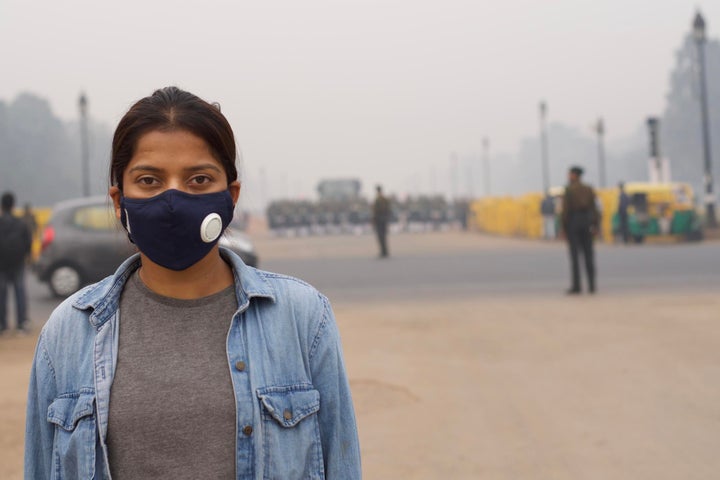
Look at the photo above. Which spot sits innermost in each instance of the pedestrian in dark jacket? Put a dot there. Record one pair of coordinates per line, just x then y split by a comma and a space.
15, 244
580, 220
381, 218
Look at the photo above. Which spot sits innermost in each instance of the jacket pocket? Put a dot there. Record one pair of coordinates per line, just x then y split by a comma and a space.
73, 415
291, 432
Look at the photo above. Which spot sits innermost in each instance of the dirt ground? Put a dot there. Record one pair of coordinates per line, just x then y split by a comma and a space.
615, 386
590, 388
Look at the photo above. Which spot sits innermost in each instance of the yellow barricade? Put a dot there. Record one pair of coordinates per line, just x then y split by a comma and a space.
505, 216
521, 216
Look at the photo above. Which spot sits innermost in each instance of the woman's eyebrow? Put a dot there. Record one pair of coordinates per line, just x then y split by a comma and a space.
145, 168
194, 168
203, 166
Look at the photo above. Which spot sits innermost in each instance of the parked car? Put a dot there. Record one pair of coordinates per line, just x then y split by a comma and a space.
83, 242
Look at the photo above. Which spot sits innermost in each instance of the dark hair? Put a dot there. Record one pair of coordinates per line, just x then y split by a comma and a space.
8, 201
169, 109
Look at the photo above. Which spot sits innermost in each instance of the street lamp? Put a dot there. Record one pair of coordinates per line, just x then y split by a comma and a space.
653, 124
85, 161
600, 130
699, 36
453, 176
544, 147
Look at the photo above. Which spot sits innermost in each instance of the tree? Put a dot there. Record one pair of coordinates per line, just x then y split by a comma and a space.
40, 154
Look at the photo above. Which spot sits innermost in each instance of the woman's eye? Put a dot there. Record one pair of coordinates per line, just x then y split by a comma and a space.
147, 180
200, 179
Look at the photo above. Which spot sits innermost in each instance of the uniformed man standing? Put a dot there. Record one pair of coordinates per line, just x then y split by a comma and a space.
380, 218
580, 220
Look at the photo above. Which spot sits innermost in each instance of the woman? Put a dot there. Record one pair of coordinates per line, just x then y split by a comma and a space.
186, 363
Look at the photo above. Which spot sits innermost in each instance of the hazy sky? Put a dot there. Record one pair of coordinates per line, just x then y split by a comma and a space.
384, 90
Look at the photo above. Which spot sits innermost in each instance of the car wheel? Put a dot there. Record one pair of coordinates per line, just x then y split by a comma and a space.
65, 280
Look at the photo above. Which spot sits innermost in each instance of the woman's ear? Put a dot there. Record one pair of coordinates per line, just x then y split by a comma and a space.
116, 195
234, 189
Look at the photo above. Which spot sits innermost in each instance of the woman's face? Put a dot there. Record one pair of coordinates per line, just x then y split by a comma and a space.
176, 160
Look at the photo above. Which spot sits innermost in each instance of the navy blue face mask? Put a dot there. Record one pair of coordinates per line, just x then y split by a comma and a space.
176, 229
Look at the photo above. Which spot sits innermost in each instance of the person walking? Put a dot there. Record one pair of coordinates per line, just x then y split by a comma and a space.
186, 363
623, 205
15, 244
547, 210
580, 222
380, 219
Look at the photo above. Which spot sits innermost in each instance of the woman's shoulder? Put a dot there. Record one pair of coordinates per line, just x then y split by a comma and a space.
256, 282
299, 307
70, 321
285, 280
292, 299
289, 287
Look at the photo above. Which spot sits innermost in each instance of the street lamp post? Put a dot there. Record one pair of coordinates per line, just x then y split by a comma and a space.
453, 176
486, 165
85, 160
544, 147
600, 130
653, 124
699, 35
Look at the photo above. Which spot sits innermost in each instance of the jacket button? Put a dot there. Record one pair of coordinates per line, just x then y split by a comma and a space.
247, 430
287, 414
240, 366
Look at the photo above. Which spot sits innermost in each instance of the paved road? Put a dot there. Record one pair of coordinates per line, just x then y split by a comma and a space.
540, 270
522, 268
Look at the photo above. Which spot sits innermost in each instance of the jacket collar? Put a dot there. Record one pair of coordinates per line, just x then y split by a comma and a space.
103, 298
249, 282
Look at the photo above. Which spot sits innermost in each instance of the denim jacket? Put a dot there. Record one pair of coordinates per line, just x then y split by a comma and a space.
302, 418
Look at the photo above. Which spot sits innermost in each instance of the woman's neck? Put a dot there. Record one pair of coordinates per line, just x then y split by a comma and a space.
208, 276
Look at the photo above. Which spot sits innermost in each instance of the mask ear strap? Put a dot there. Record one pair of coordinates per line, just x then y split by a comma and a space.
124, 220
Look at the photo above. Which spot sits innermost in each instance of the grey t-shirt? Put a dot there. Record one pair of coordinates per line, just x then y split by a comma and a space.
172, 405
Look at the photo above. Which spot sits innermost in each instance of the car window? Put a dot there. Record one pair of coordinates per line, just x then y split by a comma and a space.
95, 217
